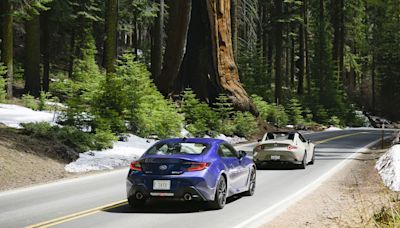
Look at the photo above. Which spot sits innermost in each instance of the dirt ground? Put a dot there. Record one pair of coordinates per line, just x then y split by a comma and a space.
26, 160
350, 198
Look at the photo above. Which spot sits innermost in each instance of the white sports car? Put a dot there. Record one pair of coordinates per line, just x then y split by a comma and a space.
284, 147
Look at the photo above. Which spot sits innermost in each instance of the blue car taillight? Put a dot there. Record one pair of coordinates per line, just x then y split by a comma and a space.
196, 166
136, 166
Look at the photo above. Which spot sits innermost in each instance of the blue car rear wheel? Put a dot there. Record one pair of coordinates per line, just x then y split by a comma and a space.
220, 195
252, 185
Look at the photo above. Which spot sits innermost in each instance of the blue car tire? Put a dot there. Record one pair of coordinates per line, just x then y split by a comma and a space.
220, 195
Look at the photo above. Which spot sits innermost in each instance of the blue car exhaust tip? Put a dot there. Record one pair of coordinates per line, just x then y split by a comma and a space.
187, 197
139, 195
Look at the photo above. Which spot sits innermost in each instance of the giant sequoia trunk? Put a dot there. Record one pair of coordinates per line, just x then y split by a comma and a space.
32, 56
208, 66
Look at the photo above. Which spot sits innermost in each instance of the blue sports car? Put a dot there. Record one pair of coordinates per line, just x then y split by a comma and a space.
201, 169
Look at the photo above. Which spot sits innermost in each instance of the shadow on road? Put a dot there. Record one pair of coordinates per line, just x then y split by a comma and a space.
165, 206
277, 166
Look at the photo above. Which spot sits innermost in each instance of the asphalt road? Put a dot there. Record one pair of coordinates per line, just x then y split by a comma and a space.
99, 200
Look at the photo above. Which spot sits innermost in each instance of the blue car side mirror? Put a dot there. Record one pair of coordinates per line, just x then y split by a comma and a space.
242, 154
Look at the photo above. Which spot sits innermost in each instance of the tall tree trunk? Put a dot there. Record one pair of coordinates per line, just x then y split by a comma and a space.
110, 49
306, 47
300, 61
2, 13
335, 20
221, 39
158, 38
178, 25
32, 56
373, 76
135, 35
235, 26
71, 54
292, 63
264, 31
7, 54
45, 45
208, 66
341, 41
278, 52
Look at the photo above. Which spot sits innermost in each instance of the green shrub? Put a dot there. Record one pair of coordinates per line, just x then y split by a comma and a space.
200, 119
279, 116
321, 115
271, 112
71, 136
223, 107
30, 102
334, 121
43, 99
62, 86
225, 114
294, 111
129, 101
82, 88
3, 91
40, 129
265, 110
104, 139
308, 116
245, 124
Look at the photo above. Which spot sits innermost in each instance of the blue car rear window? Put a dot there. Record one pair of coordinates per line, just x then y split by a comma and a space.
171, 148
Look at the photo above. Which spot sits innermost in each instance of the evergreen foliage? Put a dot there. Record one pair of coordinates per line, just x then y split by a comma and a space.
3, 91
200, 119
245, 124
129, 101
71, 136
387, 38
30, 102
253, 71
294, 111
81, 89
271, 112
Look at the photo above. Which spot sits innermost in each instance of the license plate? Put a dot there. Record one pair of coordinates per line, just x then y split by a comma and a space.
161, 184
275, 157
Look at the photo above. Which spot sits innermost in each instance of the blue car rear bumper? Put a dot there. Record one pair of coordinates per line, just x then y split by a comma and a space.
196, 185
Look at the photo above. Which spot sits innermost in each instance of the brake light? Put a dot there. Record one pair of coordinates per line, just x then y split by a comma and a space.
259, 147
290, 147
135, 165
197, 166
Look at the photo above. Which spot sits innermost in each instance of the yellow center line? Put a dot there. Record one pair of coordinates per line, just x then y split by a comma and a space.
77, 215
95, 210
338, 137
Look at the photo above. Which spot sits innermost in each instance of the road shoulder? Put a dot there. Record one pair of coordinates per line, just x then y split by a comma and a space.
349, 198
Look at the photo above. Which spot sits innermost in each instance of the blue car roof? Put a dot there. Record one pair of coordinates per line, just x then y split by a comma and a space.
194, 140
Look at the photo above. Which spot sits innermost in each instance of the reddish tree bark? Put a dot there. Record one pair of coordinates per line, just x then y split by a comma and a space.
208, 66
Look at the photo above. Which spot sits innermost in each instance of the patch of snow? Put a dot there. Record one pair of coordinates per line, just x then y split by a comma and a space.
14, 115
122, 154
56, 104
333, 128
185, 133
232, 140
290, 126
361, 115
388, 167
